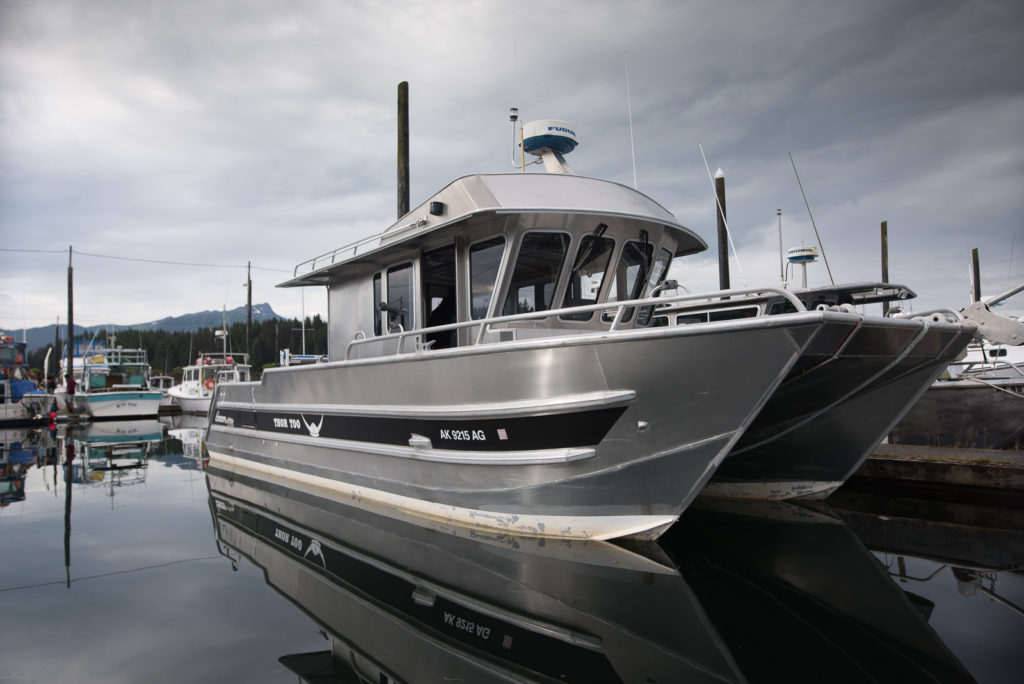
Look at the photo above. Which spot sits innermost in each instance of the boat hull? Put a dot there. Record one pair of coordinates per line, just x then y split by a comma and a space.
589, 436
31, 408
120, 404
195, 403
849, 389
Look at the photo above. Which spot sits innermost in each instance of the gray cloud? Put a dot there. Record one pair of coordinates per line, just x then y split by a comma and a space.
228, 133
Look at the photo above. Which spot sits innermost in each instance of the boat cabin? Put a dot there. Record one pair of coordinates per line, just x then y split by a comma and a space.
215, 368
498, 250
98, 368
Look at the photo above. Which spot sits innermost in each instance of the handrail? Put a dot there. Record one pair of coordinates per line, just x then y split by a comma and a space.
620, 308
986, 367
333, 254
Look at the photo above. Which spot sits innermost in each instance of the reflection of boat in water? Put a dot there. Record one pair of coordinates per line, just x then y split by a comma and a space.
403, 602
20, 449
492, 363
190, 430
852, 383
798, 597
985, 531
114, 452
784, 593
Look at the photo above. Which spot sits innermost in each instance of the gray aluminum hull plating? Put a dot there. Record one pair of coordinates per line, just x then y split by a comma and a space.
586, 436
852, 385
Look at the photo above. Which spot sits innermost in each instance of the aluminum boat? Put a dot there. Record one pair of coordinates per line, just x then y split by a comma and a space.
493, 364
851, 385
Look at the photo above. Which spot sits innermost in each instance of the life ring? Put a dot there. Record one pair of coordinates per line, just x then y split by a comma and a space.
210, 383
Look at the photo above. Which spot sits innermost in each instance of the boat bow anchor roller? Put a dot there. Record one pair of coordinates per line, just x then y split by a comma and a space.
493, 364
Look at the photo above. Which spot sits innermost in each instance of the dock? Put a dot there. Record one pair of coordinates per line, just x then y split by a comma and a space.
998, 471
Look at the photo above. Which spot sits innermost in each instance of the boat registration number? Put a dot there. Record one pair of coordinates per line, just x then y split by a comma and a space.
464, 435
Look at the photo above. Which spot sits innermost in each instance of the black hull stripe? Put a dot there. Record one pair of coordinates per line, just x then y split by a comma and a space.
523, 433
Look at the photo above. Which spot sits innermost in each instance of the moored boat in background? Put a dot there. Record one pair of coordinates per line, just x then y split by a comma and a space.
199, 380
21, 401
110, 382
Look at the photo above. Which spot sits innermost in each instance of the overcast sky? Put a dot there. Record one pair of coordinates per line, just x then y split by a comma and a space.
231, 132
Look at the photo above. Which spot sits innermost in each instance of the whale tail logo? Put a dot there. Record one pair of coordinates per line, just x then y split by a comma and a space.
315, 550
314, 428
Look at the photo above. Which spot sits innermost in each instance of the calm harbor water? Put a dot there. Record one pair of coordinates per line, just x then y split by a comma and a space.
135, 562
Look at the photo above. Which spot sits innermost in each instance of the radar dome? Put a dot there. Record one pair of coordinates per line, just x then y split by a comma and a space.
549, 134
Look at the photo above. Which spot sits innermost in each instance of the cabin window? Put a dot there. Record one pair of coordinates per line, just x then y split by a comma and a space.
715, 316
377, 299
630, 275
588, 272
484, 261
438, 274
536, 273
400, 303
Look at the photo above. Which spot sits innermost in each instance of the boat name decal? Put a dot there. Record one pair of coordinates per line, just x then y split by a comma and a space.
295, 543
224, 420
464, 435
292, 423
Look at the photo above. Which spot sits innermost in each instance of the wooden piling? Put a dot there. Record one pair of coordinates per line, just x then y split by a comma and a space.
723, 236
248, 307
885, 262
403, 148
976, 274
71, 330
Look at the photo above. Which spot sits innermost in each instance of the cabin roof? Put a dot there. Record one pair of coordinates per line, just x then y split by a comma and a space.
861, 293
514, 193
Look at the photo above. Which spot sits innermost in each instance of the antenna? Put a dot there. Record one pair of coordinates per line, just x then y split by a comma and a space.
629, 110
812, 219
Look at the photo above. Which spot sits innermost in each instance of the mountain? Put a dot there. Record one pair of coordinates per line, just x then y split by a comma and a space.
42, 336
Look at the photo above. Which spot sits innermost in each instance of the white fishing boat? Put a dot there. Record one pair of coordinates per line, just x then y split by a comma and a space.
109, 382
199, 380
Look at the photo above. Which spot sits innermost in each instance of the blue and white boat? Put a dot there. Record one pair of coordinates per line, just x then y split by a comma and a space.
111, 382
20, 399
